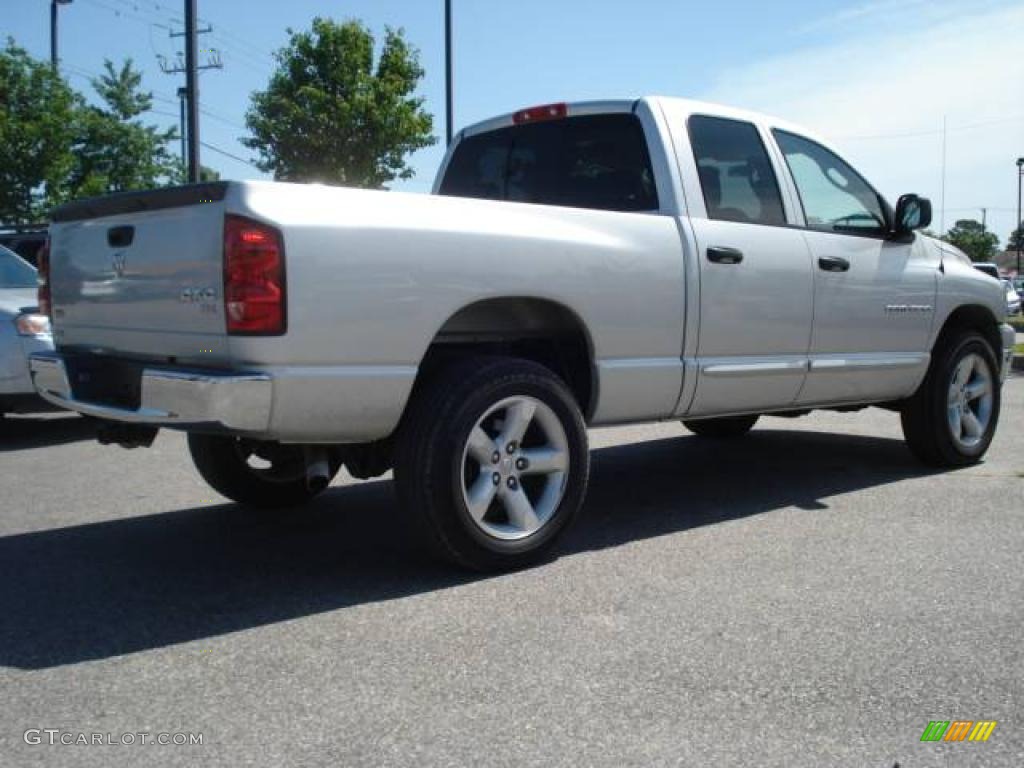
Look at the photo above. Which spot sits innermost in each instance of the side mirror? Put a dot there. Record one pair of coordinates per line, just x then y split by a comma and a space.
912, 212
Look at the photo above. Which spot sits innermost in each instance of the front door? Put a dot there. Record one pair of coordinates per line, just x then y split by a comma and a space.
874, 298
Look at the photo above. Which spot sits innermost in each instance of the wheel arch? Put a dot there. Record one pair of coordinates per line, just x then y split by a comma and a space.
539, 329
971, 317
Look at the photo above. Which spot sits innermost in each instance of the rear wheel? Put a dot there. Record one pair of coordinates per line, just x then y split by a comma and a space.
257, 473
951, 419
492, 462
728, 426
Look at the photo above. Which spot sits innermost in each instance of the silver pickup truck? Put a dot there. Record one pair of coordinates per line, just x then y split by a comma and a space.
578, 264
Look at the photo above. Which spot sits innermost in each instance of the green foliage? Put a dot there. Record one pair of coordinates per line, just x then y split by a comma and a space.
329, 115
1016, 239
114, 150
973, 239
36, 131
55, 147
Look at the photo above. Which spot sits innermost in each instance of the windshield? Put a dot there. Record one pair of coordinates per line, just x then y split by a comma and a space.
15, 272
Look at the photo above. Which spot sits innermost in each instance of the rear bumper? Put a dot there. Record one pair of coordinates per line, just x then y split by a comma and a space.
175, 398
1009, 340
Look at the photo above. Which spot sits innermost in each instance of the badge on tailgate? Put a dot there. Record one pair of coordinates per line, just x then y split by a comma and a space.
197, 295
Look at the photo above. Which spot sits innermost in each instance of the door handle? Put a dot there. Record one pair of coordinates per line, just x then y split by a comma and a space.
720, 255
833, 264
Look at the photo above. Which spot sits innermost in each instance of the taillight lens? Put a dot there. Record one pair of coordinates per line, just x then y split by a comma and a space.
254, 287
32, 324
43, 277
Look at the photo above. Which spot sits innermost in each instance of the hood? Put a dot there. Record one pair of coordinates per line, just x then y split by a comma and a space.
14, 301
947, 250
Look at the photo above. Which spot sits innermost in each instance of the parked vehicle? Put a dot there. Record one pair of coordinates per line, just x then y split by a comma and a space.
22, 331
1012, 299
990, 269
587, 264
23, 240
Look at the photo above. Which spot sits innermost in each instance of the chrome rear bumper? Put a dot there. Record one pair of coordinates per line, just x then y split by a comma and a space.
169, 397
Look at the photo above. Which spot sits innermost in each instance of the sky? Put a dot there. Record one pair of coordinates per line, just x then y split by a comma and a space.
878, 78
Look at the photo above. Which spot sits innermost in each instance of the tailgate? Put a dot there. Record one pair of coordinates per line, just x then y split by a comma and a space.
141, 274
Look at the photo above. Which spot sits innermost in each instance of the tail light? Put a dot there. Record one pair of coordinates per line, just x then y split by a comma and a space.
541, 113
254, 286
43, 276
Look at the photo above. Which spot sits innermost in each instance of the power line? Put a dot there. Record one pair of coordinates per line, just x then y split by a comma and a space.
126, 14
934, 132
220, 119
220, 151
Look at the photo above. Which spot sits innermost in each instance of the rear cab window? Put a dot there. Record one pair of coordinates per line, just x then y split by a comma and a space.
591, 161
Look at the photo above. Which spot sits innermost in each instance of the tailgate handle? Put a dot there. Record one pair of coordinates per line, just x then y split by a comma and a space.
120, 237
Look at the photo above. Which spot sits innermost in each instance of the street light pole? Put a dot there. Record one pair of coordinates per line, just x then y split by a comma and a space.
53, 31
182, 100
448, 69
1020, 225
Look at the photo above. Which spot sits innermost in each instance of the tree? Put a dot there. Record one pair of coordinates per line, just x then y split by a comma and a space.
329, 115
972, 238
1016, 240
36, 129
114, 150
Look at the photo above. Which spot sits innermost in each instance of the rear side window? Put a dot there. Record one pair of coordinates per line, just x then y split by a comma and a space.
735, 173
595, 161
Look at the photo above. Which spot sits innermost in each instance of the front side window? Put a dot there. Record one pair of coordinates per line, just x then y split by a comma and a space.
835, 197
735, 174
594, 161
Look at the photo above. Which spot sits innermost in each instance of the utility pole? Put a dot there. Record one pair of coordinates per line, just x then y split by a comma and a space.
192, 85
984, 219
189, 95
448, 68
54, 4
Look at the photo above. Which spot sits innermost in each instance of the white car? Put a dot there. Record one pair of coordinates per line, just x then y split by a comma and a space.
577, 264
1012, 299
22, 331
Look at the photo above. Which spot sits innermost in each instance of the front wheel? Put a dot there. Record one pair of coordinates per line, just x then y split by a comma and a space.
252, 472
951, 419
492, 462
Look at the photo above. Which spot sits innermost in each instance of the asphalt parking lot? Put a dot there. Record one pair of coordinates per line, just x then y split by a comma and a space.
806, 596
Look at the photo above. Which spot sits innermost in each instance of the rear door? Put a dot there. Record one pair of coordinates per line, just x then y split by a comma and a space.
756, 282
873, 298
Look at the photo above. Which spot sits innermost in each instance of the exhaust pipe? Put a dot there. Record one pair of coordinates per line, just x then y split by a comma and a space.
318, 470
125, 435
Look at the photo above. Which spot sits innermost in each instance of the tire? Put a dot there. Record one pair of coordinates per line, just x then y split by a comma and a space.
727, 426
962, 365
227, 465
440, 472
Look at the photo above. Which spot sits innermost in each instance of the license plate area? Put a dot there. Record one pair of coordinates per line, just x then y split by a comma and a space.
107, 381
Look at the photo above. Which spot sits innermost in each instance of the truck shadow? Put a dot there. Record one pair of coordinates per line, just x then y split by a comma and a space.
18, 433
103, 589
